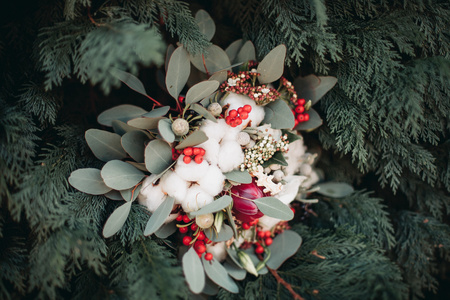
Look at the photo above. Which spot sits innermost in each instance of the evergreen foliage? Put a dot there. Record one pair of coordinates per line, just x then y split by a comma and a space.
386, 130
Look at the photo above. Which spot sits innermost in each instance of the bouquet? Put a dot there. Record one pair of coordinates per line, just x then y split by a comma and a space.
219, 170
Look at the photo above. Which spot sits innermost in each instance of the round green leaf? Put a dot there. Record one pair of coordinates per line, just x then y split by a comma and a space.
169, 53
205, 23
274, 208
114, 195
219, 275
158, 156
165, 130
201, 90
157, 112
239, 176
105, 145
224, 234
219, 76
313, 88
145, 123
134, 144
203, 111
314, 121
122, 113
233, 49
88, 181
131, 194
166, 230
130, 80
234, 271
120, 175
335, 189
279, 115
116, 220
246, 53
216, 60
214, 206
195, 138
283, 246
159, 216
121, 128
177, 71
272, 66
193, 271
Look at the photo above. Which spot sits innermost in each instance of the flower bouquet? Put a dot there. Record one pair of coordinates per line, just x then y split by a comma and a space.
219, 170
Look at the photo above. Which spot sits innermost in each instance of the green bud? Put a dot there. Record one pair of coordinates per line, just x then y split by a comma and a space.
308, 105
247, 262
218, 220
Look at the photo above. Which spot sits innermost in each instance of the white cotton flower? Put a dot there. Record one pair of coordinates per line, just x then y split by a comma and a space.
211, 147
231, 133
174, 186
218, 250
313, 178
267, 223
231, 156
191, 171
151, 195
254, 117
195, 199
213, 181
214, 130
305, 169
290, 189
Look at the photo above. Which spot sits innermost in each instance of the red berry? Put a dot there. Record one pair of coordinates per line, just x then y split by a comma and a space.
301, 101
198, 159
200, 236
233, 113
259, 250
245, 226
301, 118
299, 109
196, 151
208, 256
183, 229
238, 121
179, 218
267, 234
208, 241
228, 119
248, 108
295, 123
306, 117
200, 248
180, 98
243, 115
261, 234
268, 241
233, 123
194, 227
187, 240
240, 109
187, 159
202, 151
293, 210
187, 151
186, 219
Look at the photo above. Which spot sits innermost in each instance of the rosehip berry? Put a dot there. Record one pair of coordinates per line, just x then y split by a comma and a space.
233, 113
248, 108
228, 119
187, 159
198, 159
201, 236
183, 229
238, 121
179, 218
301, 118
233, 123
267, 234
187, 240
246, 226
259, 250
301, 101
187, 151
295, 123
196, 151
243, 115
299, 109
293, 210
306, 117
261, 234
240, 109
186, 219
202, 151
208, 256
207, 241
201, 249
194, 227
268, 241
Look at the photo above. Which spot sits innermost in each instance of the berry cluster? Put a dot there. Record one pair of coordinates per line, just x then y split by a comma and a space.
195, 153
299, 112
290, 89
235, 117
263, 238
193, 236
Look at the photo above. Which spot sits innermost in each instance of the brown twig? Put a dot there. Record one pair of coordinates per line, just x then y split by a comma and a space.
285, 284
204, 64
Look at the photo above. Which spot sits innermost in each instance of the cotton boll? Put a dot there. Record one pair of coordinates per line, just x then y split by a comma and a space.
254, 117
174, 186
151, 195
231, 134
290, 189
267, 223
218, 250
195, 199
212, 148
214, 130
213, 181
191, 171
231, 156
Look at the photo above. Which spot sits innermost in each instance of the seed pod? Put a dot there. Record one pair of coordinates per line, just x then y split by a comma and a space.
205, 221
180, 127
247, 263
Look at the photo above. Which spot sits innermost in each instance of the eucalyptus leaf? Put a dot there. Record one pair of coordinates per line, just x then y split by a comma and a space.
279, 115
283, 246
234, 271
145, 123
165, 130
120, 175
233, 49
159, 216
177, 71
231, 219
88, 181
105, 145
121, 128
131, 194
219, 76
210, 288
239, 176
277, 158
169, 53
203, 111
205, 23
157, 112
291, 136
232, 254
201, 90
272, 66
195, 138
134, 144
166, 230
114, 195
224, 234
158, 156
313, 88
216, 60
219, 275
122, 113
246, 53
116, 220
139, 166
250, 252
193, 271
214, 206
130, 80
314, 121
274, 208
335, 189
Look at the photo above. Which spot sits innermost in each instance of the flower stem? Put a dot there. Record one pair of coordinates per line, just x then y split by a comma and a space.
285, 284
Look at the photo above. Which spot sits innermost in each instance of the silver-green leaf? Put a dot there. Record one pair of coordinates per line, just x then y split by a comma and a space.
214, 206
122, 113
201, 90
239, 176
246, 53
134, 144
120, 175
216, 60
157, 112
219, 275
335, 189
314, 121
195, 138
178, 71
165, 130
203, 111
105, 145
272, 66
159, 216
116, 220
131, 193
274, 208
283, 246
193, 271
88, 181
205, 23
279, 115
158, 156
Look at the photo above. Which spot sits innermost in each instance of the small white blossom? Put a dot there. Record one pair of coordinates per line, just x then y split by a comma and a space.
265, 90
231, 82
